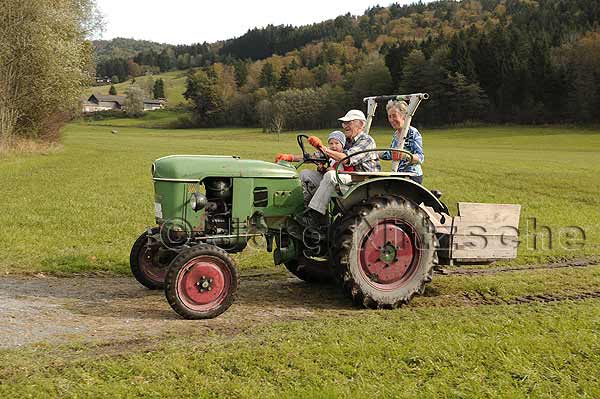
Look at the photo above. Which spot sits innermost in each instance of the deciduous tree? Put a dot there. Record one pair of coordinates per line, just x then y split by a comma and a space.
44, 61
134, 101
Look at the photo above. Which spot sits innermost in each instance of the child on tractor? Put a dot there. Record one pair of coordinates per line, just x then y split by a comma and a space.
335, 142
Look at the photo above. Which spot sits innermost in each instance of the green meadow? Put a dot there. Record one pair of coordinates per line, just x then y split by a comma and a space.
80, 208
174, 86
526, 333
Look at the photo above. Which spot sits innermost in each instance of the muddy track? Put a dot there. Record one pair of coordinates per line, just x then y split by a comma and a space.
101, 309
478, 298
118, 310
584, 262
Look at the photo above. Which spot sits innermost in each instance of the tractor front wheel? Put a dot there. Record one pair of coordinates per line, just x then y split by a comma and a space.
149, 263
387, 253
201, 282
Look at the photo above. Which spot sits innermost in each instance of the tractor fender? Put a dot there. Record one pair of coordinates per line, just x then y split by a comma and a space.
391, 186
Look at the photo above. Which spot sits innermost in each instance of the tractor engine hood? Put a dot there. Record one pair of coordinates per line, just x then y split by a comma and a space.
197, 167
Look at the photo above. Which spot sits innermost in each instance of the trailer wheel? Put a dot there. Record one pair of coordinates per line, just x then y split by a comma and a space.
149, 264
201, 282
387, 253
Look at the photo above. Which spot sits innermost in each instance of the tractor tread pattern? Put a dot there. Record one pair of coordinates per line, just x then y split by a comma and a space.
345, 239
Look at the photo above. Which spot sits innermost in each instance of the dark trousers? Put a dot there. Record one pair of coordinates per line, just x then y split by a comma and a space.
417, 179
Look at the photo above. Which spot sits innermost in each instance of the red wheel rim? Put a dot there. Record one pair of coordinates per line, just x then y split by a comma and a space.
389, 254
203, 283
150, 264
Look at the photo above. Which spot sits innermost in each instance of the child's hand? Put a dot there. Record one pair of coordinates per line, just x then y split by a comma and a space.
315, 142
284, 157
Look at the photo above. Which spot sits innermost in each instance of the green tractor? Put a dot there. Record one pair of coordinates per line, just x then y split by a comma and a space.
385, 235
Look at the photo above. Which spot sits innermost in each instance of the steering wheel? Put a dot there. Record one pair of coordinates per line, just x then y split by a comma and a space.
306, 157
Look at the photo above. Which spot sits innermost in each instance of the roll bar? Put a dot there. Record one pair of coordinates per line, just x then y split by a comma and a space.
397, 97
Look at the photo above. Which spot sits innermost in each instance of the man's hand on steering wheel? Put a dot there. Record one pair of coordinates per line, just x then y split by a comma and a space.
318, 144
315, 142
310, 157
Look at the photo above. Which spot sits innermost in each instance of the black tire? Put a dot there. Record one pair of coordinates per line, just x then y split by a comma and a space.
187, 274
387, 254
311, 270
149, 264
235, 248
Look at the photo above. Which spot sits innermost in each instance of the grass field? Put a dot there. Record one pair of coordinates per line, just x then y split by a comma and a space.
174, 86
527, 333
439, 346
80, 209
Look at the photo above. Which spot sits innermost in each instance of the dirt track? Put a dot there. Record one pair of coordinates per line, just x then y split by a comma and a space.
118, 309
59, 310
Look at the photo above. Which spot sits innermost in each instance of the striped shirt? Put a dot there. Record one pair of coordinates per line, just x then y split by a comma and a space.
413, 143
367, 162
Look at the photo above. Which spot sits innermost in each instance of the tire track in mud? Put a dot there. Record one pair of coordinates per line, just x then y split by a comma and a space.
478, 298
465, 271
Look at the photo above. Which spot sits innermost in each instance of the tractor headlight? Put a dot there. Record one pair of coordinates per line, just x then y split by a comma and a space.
198, 201
153, 169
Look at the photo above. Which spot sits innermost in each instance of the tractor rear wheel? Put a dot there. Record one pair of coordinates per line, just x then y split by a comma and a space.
386, 255
201, 282
149, 263
311, 270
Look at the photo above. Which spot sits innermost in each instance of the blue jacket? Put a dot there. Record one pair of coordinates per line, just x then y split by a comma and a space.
413, 143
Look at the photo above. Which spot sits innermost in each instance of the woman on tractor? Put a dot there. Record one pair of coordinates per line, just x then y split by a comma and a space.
413, 143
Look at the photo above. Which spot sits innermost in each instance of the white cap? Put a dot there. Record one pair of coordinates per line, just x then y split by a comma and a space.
353, 115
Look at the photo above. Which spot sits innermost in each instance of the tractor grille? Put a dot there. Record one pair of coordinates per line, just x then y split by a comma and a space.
261, 197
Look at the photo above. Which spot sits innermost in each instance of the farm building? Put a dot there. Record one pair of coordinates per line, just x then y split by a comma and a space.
97, 102
103, 80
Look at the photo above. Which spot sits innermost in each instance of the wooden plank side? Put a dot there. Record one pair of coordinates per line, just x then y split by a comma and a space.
469, 226
484, 247
500, 214
485, 231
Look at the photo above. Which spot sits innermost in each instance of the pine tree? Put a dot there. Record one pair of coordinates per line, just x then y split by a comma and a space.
112, 91
284, 79
267, 76
241, 72
159, 89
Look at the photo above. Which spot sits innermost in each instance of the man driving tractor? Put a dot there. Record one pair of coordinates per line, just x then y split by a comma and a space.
353, 124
